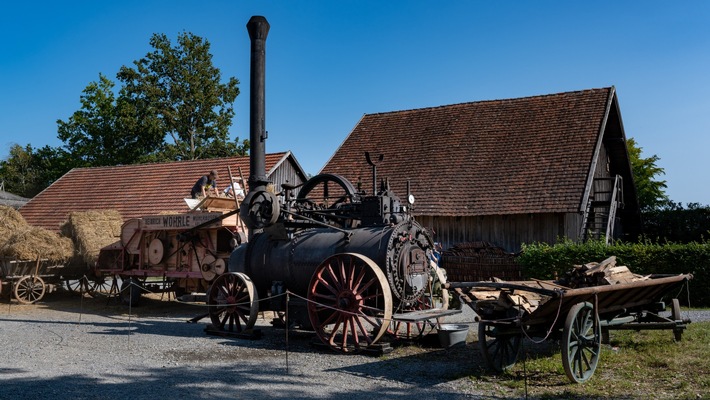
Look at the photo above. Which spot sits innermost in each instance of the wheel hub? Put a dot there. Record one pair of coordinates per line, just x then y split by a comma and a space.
348, 301
231, 301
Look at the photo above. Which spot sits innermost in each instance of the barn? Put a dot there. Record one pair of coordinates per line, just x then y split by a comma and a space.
504, 172
144, 189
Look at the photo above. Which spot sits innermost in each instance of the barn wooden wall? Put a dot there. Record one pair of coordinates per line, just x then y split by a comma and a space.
285, 172
506, 231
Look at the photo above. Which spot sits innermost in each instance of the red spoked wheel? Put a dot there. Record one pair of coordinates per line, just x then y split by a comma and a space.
349, 302
233, 302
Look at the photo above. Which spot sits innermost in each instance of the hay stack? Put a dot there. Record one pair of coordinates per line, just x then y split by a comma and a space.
21, 241
92, 230
11, 221
32, 243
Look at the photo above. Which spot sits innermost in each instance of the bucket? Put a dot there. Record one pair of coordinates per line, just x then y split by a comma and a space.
452, 335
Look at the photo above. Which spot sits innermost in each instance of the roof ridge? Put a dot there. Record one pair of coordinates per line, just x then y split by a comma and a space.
164, 163
468, 103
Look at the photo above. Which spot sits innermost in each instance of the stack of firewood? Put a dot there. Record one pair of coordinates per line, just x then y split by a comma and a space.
598, 274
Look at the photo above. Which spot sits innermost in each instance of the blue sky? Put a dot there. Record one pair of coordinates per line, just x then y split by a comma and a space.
330, 62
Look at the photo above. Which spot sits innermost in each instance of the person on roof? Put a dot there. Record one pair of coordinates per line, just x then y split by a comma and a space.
233, 189
204, 184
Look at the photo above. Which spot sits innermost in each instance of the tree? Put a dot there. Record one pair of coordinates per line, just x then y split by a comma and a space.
16, 172
651, 192
50, 164
675, 223
177, 91
173, 92
106, 131
27, 171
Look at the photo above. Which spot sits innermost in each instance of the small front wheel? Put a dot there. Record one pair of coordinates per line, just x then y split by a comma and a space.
29, 289
233, 302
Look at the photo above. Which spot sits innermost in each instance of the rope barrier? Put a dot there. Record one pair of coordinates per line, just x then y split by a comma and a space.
552, 326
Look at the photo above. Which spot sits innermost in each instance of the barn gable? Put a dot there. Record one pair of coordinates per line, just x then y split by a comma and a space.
143, 189
528, 159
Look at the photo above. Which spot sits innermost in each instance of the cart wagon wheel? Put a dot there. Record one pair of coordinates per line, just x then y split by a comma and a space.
80, 286
349, 302
233, 302
675, 316
29, 289
499, 346
103, 285
581, 342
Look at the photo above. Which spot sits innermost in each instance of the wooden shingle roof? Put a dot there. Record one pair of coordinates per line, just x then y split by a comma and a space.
514, 156
132, 190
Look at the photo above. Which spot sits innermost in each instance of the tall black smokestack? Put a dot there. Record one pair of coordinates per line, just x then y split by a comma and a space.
258, 28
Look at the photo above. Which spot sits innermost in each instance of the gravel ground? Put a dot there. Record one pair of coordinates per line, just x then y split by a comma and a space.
69, 347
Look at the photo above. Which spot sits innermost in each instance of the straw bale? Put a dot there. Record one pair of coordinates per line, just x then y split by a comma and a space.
92, 230
11, 221
32, 243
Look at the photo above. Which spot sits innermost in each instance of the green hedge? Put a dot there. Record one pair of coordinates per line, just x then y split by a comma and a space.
544, 261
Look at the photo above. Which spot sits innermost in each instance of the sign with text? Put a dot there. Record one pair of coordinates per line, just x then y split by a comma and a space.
180, 221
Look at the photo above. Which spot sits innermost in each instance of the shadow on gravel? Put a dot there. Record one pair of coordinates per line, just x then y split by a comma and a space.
237, 382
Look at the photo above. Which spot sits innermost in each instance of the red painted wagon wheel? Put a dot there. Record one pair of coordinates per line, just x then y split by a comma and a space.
233, 302
29, 289
350, 302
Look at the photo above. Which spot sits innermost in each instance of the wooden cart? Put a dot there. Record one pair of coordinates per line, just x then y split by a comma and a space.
581, 318
28, 281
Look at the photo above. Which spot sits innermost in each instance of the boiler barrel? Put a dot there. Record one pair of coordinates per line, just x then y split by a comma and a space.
399, 250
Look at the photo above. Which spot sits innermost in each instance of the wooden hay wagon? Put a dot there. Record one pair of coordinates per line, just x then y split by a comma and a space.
29, 281
580, 318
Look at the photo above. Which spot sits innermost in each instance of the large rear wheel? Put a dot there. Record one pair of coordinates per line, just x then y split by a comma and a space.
581, 342
349, 302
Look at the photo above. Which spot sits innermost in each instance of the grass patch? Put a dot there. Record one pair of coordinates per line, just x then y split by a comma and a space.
646, 364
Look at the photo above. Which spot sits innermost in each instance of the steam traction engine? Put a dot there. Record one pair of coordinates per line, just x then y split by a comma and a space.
350, 260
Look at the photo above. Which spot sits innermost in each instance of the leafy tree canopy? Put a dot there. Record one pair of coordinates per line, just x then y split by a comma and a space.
106, 131
171, 106
28, 171
177, 91
650, 191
